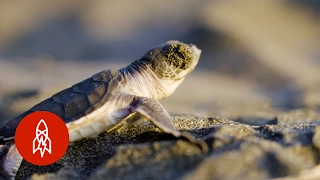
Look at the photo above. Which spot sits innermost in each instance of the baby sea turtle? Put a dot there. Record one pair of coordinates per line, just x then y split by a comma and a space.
102, 101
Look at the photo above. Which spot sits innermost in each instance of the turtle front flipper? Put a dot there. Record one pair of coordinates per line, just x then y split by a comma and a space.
157, 114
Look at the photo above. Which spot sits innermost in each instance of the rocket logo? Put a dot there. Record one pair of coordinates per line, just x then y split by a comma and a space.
42, 138
42, 141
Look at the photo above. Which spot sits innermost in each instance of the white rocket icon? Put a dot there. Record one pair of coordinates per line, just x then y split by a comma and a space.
42, 141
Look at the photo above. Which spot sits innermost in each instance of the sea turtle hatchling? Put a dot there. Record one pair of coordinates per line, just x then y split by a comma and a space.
102, 101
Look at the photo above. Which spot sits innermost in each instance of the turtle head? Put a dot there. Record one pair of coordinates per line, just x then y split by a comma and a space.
173, 60
163, 68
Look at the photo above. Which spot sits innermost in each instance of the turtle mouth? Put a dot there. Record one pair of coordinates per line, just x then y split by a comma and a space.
180, 78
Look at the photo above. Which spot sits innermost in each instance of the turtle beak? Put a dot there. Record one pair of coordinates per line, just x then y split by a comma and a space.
196, 53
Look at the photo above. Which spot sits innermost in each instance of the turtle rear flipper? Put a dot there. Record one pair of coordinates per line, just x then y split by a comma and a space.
11, 160
157, 114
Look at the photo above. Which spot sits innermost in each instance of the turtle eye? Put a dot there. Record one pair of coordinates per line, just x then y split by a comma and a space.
175, 49
180, 55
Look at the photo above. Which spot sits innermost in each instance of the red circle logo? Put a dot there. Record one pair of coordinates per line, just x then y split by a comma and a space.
42, 138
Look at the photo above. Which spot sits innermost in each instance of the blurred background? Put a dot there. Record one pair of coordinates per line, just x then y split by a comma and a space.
258, 57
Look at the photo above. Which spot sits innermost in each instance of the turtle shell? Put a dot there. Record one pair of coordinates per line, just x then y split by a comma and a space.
74, 102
